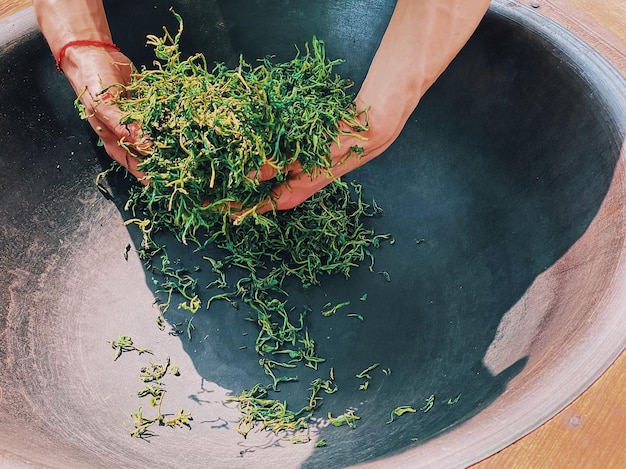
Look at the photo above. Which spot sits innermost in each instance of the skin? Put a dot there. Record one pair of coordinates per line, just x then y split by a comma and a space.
89, 69
421, 40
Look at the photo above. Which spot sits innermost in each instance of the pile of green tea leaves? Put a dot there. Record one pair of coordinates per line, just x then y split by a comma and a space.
213, 130
210, 130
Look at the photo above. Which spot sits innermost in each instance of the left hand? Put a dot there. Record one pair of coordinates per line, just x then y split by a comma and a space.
89, 71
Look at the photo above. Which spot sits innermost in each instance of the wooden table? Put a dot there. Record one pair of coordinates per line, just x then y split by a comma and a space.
591, 432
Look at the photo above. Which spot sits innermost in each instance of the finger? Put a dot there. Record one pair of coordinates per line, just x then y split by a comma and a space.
133, 139
128, 135
292, 193
264, 173
264, 206
115, 151
287, 195
111, 115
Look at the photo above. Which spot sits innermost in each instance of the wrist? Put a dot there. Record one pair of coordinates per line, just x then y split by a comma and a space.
65, 21
63, 51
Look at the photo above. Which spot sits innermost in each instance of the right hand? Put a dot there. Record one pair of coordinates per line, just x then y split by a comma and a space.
299, 186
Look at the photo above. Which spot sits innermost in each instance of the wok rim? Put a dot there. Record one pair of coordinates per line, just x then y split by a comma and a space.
610, 86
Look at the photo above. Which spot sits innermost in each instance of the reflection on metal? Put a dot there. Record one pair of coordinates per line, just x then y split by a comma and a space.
511, 170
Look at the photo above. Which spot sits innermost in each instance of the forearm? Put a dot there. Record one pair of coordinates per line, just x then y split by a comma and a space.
63, 21
421, 40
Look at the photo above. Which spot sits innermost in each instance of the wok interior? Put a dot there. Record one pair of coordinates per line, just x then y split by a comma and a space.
501, 195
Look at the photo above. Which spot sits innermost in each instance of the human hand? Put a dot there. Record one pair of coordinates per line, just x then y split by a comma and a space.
90, 70
421, 40
350, 152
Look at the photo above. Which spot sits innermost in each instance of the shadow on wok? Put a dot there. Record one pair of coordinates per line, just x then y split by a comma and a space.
500, 195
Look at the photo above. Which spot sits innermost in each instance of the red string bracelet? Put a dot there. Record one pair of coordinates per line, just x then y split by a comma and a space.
82, 42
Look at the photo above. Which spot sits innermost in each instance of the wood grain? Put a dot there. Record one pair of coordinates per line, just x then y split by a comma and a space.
589, 433
8, 7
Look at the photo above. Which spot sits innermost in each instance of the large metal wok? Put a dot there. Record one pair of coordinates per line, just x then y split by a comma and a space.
505, 195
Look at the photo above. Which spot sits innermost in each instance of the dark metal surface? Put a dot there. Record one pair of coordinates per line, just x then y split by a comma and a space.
509, 171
